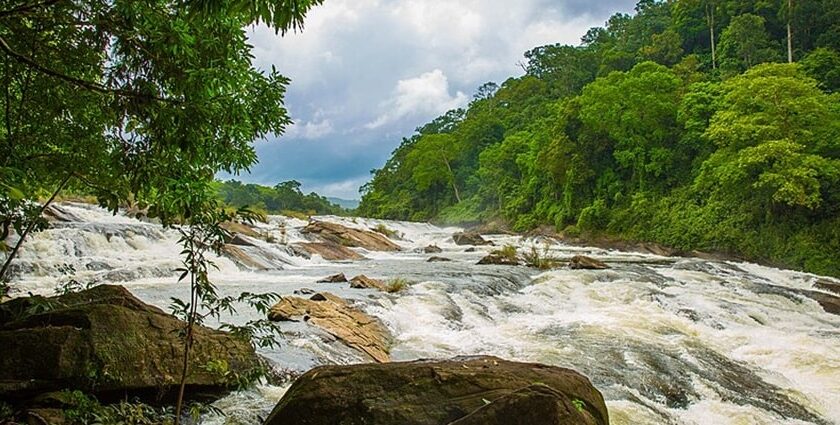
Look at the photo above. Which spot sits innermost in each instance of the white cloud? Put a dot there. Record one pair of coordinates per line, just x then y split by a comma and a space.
310, 130
426, 95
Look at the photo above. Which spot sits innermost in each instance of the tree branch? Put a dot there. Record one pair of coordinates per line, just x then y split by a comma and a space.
26, 8
88, 85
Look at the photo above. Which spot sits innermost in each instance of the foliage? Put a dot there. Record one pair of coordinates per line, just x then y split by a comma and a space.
507, 252
397, 285
134, 102
283, 198
672, 125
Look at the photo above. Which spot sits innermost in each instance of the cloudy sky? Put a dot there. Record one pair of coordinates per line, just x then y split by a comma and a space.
366, 73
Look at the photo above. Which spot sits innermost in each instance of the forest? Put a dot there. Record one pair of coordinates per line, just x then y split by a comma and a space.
697, 124
283, 198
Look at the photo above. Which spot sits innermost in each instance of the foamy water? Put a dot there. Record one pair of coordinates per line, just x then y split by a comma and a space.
680, 341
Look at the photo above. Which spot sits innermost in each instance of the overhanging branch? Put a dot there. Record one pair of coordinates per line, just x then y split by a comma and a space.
87, 85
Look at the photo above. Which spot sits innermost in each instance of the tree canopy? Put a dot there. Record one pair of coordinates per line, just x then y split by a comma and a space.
676, 124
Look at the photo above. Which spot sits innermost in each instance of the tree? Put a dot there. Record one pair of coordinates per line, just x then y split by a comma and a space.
637, 110
665, 48
135, 101
431, 162
777, 138
745, 43
823, 65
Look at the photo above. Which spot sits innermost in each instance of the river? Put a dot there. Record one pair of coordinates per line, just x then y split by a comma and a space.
666, 340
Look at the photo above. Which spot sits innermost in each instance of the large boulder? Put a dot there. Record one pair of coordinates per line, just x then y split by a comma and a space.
477, 390
338, 318
346, 236
470, 238
107, 342
329, 251
336, 278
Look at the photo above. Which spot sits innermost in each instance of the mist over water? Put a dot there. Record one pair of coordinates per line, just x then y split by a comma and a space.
666, 340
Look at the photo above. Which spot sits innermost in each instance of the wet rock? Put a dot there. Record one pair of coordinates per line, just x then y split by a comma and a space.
337, 317
299, 251
241, 258
106, 341
304, 291
241, 228
336, 278
432, 249
826, 285
363, 282
57, 213
349, 237
98, 266
498, 259
240, 240
329, 251
829, 303
470, 238
436, 259
582, 262
470, 249
534, 404
485, 390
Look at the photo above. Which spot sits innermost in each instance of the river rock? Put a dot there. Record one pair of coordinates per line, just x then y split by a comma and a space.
241, 228
241, 258
582, 262
336, 278
338, 318
498, 259
470, 238
432, 249
476, 390
363, 282
105, 341
346, 236
329, 251
436, 259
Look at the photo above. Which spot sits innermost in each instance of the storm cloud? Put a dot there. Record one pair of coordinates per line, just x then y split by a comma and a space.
366, 73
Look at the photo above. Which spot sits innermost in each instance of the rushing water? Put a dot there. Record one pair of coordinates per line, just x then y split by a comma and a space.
666, 340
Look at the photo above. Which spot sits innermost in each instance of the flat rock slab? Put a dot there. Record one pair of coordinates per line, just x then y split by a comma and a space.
346, 236
329, 251
581, 262
338, 318
475, 390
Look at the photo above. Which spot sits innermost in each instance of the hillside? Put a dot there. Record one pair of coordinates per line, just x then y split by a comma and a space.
683, 124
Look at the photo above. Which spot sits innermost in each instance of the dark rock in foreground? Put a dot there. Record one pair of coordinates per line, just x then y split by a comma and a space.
581, 262
477, 390
470, 238
107, 342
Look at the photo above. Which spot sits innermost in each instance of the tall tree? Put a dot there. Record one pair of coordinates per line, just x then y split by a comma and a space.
135, 101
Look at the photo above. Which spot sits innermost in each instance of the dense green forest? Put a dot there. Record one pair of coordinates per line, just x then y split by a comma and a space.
710, 125
283, 198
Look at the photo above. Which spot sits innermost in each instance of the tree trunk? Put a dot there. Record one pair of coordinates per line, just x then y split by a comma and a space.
452, 176
789, 34
711, 20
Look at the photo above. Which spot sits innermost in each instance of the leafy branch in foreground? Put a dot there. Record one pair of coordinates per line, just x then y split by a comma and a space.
203, 236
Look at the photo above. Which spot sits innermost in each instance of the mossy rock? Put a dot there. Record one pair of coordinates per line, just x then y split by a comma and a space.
107, 342
485, 390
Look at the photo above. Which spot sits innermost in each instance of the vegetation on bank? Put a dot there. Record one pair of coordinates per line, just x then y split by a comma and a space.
681, 125
284, 198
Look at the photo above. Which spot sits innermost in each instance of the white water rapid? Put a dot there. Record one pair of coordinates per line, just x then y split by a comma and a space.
666, 340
